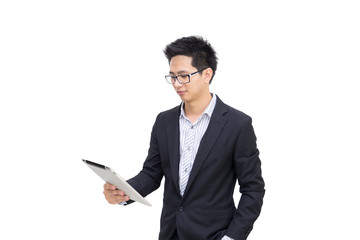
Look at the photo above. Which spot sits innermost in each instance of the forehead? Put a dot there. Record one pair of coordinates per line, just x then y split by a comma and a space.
181, 63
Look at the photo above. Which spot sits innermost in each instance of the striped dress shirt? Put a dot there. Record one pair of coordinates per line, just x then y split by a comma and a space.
190, 137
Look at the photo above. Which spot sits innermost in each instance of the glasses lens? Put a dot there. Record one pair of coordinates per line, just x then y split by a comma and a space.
184, 78
170, 79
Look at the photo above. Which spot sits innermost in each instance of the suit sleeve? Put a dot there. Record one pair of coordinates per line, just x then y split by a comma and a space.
248, 172
149, 178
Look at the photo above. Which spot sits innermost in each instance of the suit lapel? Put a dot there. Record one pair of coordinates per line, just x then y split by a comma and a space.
173, 136
211, 135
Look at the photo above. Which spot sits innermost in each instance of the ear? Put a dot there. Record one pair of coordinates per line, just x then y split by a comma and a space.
208, 73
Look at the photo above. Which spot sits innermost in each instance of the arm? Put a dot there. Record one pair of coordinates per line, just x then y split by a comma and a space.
146, 181
248, 171
149, 178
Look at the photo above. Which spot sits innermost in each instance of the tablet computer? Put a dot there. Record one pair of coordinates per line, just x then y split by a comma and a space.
110, 176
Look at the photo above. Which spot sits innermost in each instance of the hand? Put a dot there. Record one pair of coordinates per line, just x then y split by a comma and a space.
113, 195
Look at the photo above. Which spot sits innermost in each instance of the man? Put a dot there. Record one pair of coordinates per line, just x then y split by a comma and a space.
201, 147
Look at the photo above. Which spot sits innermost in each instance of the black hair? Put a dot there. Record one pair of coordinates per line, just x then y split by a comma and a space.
202, 53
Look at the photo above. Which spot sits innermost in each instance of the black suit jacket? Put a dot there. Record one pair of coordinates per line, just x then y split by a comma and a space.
227, 153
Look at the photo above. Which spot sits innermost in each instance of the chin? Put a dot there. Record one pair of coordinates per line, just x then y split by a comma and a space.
184, 98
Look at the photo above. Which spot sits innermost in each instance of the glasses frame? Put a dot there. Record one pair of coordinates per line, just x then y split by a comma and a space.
184, 75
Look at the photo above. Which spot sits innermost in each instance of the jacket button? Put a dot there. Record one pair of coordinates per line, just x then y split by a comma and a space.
181, 209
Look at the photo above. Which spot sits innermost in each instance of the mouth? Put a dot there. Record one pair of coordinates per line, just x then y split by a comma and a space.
181, 92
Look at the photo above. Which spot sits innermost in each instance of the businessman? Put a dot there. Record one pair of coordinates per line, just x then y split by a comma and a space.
201, 147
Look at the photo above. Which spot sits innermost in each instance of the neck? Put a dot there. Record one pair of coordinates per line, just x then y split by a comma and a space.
194, 109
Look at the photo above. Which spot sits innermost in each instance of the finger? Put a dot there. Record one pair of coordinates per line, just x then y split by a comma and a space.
116, 199
115, 192
111, 193
109, 186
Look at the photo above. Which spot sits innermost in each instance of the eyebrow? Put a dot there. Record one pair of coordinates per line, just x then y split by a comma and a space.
182, 72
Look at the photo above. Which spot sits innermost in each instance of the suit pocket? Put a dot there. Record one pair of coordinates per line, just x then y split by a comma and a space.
218, 218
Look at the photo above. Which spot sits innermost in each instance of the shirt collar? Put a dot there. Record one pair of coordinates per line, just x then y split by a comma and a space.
208, 111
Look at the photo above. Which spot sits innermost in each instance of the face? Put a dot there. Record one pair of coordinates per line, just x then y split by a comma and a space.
198, 86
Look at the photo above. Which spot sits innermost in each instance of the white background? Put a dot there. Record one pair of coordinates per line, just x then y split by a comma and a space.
85, 79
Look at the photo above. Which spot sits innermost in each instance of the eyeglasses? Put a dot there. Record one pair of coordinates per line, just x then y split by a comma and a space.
182, 79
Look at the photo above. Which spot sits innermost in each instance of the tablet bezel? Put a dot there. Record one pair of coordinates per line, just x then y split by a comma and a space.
110, 176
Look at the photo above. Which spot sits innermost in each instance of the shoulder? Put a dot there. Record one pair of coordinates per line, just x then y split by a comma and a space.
170, 113
239, 115
239, 123
231, 113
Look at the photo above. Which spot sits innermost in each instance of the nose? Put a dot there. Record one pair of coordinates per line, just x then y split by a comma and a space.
177, 84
